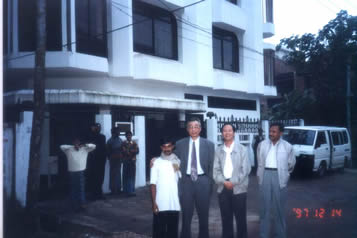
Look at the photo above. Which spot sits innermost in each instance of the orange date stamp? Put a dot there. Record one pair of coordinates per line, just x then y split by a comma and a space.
318, 213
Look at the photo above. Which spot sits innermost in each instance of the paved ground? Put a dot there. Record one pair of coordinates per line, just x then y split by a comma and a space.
330, 205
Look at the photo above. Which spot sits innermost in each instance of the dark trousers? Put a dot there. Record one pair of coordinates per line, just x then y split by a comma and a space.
115, 176
165, 224
95, 176
77, 188
129, 173
231, 204
195, 194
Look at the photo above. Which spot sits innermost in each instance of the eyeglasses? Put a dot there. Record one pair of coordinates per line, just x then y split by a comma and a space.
193, 127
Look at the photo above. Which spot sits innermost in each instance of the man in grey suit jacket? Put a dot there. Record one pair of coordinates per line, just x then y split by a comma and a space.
197, 155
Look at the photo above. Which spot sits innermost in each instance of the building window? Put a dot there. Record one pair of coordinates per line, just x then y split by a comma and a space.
231, 103
155, 31
27, 25
232, 1
194, 96
269, 63
225, 50
268, 11
91, 34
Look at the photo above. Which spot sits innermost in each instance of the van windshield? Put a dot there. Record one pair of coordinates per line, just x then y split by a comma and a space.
299, 137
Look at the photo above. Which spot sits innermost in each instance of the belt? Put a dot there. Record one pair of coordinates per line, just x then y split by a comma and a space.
273, 169
189, 175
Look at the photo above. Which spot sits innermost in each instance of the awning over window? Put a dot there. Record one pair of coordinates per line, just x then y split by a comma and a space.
76, 96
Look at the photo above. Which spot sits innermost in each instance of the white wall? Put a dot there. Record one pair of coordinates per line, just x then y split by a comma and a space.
105, 119
23, 136
139, 137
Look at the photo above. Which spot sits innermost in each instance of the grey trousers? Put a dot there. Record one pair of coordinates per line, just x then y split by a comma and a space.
272, 199
195, 195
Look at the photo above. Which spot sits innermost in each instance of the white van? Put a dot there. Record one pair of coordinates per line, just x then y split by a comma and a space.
320, 148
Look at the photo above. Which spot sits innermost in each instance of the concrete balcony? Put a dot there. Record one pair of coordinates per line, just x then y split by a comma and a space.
225, 80
60, 59
147, 67
226, 13
268, 29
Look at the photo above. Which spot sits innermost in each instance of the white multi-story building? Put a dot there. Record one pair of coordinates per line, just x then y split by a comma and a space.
145, 65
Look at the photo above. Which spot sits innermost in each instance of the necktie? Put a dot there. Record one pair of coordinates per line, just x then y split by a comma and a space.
193, 163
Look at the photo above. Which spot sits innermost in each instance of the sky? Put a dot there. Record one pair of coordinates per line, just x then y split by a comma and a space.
296, 17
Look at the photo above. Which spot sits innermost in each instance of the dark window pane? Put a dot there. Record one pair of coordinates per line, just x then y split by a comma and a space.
299, 137
193, 96
91, 27
163, 37
228, 55
68, 22
155, 31
143, 34
6, 27
345, 137
27, 25
217, 53
230, 103
54, 26
225, 50
336, 138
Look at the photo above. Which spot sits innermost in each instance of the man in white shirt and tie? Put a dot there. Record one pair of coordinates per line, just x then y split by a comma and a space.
197, 155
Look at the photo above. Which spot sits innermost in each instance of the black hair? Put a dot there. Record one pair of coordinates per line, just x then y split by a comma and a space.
115, 129
128, 132
278, 124
230, 124
166, 140
194, 119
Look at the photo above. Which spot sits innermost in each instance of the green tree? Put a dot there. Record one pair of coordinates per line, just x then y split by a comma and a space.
322, 60
295, 105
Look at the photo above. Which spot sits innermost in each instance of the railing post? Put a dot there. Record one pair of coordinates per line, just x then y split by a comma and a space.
212, 130
265, 127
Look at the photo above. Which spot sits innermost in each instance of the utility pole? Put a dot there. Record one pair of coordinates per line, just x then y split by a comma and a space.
33, 179
348, 96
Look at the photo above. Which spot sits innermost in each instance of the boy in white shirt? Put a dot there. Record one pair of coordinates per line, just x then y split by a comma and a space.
164, 177
77, 161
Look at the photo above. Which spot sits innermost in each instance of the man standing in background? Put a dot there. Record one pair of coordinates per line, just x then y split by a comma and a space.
96, 163
114, 157
129, 150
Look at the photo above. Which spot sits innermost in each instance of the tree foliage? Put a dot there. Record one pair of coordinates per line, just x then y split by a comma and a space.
296, 104
322, 60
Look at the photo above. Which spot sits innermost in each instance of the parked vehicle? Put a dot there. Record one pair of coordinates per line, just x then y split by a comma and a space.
320, 148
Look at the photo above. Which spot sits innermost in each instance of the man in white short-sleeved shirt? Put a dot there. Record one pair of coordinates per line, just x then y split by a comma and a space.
164, 177
77, 160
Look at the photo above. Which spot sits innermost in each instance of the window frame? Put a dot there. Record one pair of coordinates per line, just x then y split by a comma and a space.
155, 13
89, 42
221, 34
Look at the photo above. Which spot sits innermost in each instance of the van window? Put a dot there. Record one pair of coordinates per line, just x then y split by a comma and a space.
345, 137
299, 137
321, 139
336, 138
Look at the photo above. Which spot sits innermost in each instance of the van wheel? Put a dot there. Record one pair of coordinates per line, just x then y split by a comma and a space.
321, 170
